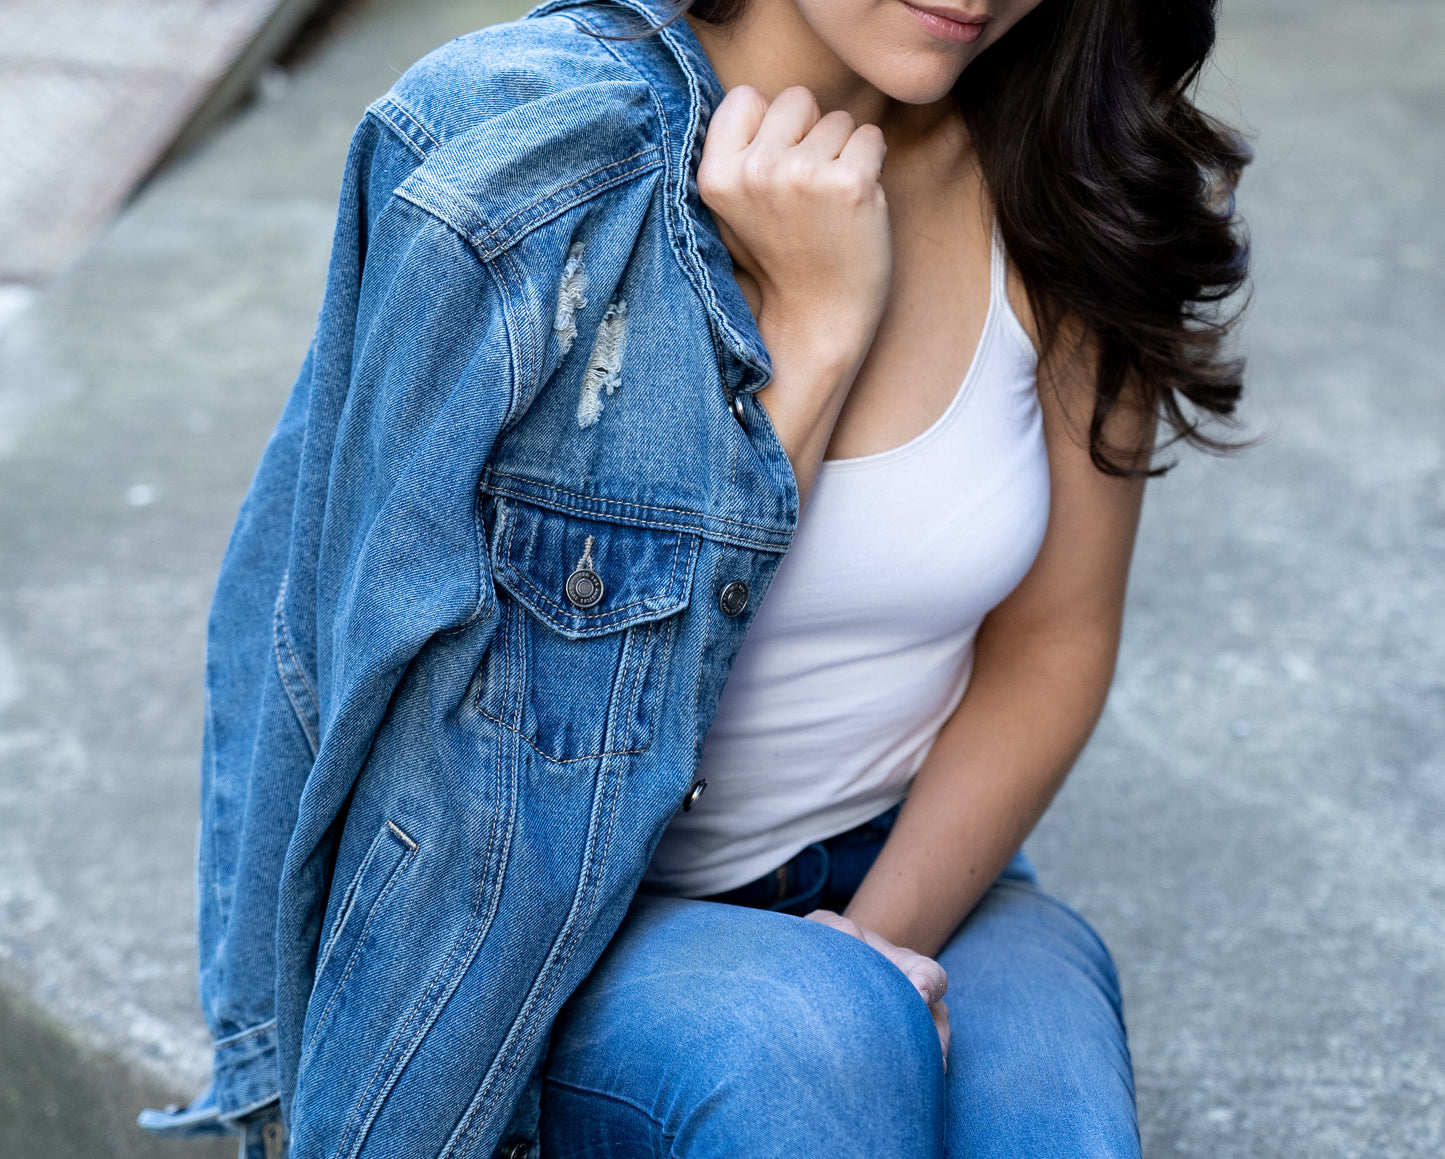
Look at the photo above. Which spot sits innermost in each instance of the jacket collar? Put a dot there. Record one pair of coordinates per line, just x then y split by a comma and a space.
673, 62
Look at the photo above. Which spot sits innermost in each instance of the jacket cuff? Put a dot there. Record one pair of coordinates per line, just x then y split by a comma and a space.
246, 1078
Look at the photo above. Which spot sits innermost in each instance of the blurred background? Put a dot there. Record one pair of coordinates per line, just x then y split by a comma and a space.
1258, 827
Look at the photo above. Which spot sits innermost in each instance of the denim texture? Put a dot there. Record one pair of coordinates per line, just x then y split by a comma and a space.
432, 778
717, 1029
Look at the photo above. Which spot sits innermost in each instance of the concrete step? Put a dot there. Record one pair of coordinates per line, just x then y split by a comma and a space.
94, 92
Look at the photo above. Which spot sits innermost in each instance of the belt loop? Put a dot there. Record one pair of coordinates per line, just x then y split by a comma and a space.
807, 897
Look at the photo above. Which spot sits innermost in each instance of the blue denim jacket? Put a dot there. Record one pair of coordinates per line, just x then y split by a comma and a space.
467, 638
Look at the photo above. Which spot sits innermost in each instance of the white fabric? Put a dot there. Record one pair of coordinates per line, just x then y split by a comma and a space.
865, 642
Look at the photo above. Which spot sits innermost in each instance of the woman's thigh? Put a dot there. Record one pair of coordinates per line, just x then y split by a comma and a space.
712, 1030
716, 1030
1038, 1063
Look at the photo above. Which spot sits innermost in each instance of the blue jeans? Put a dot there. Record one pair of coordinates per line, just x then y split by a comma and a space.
712, 1029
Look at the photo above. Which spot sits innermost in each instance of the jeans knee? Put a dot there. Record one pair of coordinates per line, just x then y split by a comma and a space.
1041, 933
732, 1025
856, 1022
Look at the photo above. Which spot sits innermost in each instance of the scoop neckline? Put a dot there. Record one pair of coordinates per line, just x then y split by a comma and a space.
997, 304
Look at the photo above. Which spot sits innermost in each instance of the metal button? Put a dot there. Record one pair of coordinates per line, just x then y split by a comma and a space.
584, 588
693, 794
519, 1149
736, 406
733, 598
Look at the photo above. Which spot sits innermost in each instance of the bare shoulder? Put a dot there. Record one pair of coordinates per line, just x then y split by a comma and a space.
1067, 378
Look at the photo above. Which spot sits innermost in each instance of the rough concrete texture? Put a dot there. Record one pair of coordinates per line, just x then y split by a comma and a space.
92, 92
1258, 828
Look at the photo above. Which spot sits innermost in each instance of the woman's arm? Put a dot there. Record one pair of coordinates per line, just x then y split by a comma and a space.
1045, 658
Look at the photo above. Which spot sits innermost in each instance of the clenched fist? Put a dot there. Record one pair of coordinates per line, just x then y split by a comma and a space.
798, 201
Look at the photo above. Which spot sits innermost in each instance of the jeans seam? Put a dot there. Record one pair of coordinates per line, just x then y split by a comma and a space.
611, 1098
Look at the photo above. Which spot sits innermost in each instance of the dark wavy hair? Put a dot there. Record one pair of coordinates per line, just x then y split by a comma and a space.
1115, 197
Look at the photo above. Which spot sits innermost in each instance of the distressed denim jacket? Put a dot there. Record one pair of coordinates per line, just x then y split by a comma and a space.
471, 627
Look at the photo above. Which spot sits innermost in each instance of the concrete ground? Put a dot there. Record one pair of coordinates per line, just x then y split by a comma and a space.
1258, 828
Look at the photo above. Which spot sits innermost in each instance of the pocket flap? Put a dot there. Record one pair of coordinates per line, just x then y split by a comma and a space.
586, 577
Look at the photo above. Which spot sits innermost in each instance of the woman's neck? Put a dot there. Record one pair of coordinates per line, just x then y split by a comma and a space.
772, 47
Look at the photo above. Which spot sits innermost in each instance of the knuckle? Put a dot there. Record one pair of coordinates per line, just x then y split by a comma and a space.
712, 181
798, 172
849, 185
740, 95
756, 171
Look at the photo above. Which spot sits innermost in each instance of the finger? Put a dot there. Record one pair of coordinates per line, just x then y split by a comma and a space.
939, 1010
735, 123
838, 922
865, 150
929, 977
789, 118
826, 139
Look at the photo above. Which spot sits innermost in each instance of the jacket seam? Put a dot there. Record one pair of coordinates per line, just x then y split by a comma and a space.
509, 311
556, 760
585, 904
466, 218
241, 1036
441, 987
534, 347
557, 208
397, 131
390, 102
283, 637
474, 1120
696, 528
479, 539
442, 984
580, 178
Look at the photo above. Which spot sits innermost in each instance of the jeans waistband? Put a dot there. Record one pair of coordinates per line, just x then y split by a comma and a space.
823, 875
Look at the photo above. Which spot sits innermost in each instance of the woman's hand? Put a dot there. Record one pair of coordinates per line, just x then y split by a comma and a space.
798, 202
797, 198
927, 976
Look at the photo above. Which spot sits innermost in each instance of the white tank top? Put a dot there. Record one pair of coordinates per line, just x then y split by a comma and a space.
865, 642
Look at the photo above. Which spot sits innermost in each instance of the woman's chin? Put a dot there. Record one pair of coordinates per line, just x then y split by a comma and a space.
914, 81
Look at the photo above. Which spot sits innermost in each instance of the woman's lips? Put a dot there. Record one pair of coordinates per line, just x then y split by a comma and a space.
948, 23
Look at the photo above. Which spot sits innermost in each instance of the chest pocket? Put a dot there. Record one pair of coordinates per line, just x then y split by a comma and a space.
589, 610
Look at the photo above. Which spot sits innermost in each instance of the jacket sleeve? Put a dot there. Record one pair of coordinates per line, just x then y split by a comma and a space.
356, 543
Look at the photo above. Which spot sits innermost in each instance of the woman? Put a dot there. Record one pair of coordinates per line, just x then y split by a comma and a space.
873, 292
469, 645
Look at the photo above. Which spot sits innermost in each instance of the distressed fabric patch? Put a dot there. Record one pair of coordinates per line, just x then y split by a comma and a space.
604, 364
571, 296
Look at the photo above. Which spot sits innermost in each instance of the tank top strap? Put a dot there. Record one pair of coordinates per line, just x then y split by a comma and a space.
1000, 307
998, 268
